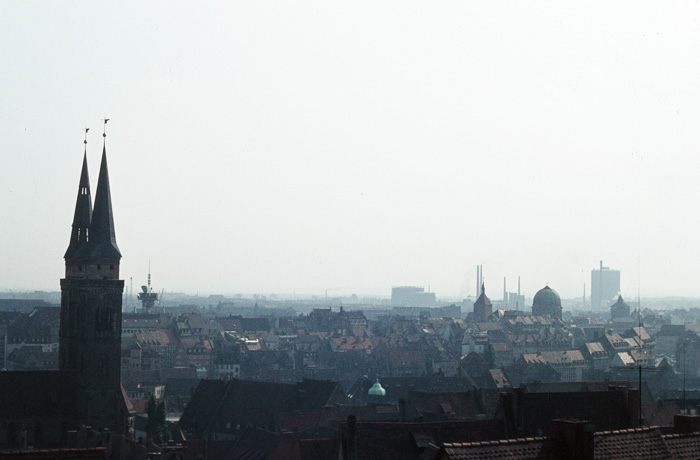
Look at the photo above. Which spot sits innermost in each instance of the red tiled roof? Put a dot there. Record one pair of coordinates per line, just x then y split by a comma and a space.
406, 359
140, 405
644, 443
684, 446
521, 448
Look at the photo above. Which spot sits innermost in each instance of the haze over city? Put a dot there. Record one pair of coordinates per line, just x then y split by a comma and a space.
277, 148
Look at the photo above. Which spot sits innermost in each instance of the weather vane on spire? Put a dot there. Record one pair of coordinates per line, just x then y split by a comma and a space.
86, 131
104, 129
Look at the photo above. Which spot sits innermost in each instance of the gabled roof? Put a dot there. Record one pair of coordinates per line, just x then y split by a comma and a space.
499, 378
595, 348
203, 406
483, 300
625, 358
463, 405
246, 402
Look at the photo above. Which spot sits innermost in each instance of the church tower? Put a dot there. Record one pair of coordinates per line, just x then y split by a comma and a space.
483, 306
91, 306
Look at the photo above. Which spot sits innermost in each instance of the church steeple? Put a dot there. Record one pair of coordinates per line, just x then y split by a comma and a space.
83, 215
91, 309
103, 241
483, 306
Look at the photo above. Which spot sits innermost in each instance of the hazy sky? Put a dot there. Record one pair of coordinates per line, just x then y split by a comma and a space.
279, 147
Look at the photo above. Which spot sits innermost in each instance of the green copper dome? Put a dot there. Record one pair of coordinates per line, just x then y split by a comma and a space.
547, 297
377, 389
547, 302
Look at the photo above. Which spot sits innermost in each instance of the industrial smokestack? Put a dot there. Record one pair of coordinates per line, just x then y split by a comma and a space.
477, 282
600, 287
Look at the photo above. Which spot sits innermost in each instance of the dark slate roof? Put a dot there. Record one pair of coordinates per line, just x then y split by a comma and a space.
36, 327
257, 444
82, 216
203, 405
399, 387
672, 330
230, 323
457, 405
222, 406
255, 324
37, 393
319, 449
13, 306
483, 299
606, 409
410, 440
103, 241
94, 453
180, 387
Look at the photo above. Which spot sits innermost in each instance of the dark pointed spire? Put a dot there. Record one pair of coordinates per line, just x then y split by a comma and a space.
83, 214
103, 242
483, 299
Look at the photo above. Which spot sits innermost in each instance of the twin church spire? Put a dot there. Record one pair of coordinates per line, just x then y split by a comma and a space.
92, 235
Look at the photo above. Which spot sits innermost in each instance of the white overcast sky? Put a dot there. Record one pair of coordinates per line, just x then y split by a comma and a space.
279, 147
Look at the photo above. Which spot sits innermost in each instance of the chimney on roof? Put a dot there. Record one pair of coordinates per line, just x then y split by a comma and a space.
506, 403
352, 437
633, 405
574, 439
685, 423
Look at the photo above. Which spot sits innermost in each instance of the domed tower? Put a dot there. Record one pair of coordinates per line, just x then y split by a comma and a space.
547, 302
